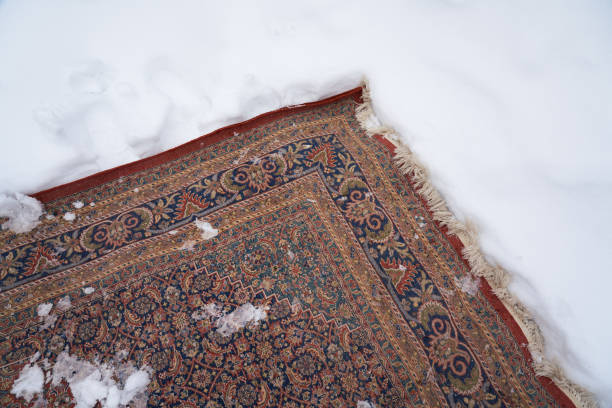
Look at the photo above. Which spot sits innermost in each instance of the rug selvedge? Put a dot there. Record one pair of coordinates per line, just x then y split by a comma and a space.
453, 330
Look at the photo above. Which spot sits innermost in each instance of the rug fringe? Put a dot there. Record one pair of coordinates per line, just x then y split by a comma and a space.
497, 277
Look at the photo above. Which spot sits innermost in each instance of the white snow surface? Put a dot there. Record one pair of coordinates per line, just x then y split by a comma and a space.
508, 103
23, 212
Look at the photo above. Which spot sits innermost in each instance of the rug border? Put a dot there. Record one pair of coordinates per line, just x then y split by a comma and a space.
548, 384
464, 239
381, 133
82, 184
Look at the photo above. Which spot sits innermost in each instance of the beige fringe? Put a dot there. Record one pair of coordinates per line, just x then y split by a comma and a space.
496, 276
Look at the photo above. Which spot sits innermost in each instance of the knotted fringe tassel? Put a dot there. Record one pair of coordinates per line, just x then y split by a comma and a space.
496, 276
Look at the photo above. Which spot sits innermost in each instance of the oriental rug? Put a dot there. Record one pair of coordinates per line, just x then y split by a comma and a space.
299, 221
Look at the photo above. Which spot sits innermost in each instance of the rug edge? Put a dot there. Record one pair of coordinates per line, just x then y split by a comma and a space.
496, 277
104, 176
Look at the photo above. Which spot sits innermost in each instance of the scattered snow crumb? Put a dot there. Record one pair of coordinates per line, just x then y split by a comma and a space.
365, 404
242, 316
48, 321
136, 190
173, 232
64, 303
188, 245
29, 383
227, 324
208, 231
69, 216
468, 284
78, 204
49, 216
208, 311
22, 212
88, 290
43, 309
92, 204
311, 200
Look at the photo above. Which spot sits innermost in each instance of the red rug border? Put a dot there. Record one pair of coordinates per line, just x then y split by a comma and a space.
105, 176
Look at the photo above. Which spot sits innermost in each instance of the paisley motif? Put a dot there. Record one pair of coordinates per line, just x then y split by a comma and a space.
122, 229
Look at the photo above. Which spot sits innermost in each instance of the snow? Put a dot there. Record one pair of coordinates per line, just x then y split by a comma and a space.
508, 103
48, 321
23, 212
69, 216
64, 303
43, 309
29, 383
208, 231
467, 284
188, 245
88, 290
229, 323
92, 382
208, 311
77, 204
135, 384
242, 316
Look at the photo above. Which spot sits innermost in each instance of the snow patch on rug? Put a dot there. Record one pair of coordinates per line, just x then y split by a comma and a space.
113, 385
69, 216
64, 303
468, 284
229, 323
208, 231
23, 212
188, 245
43, 309
30, 382
244, 315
